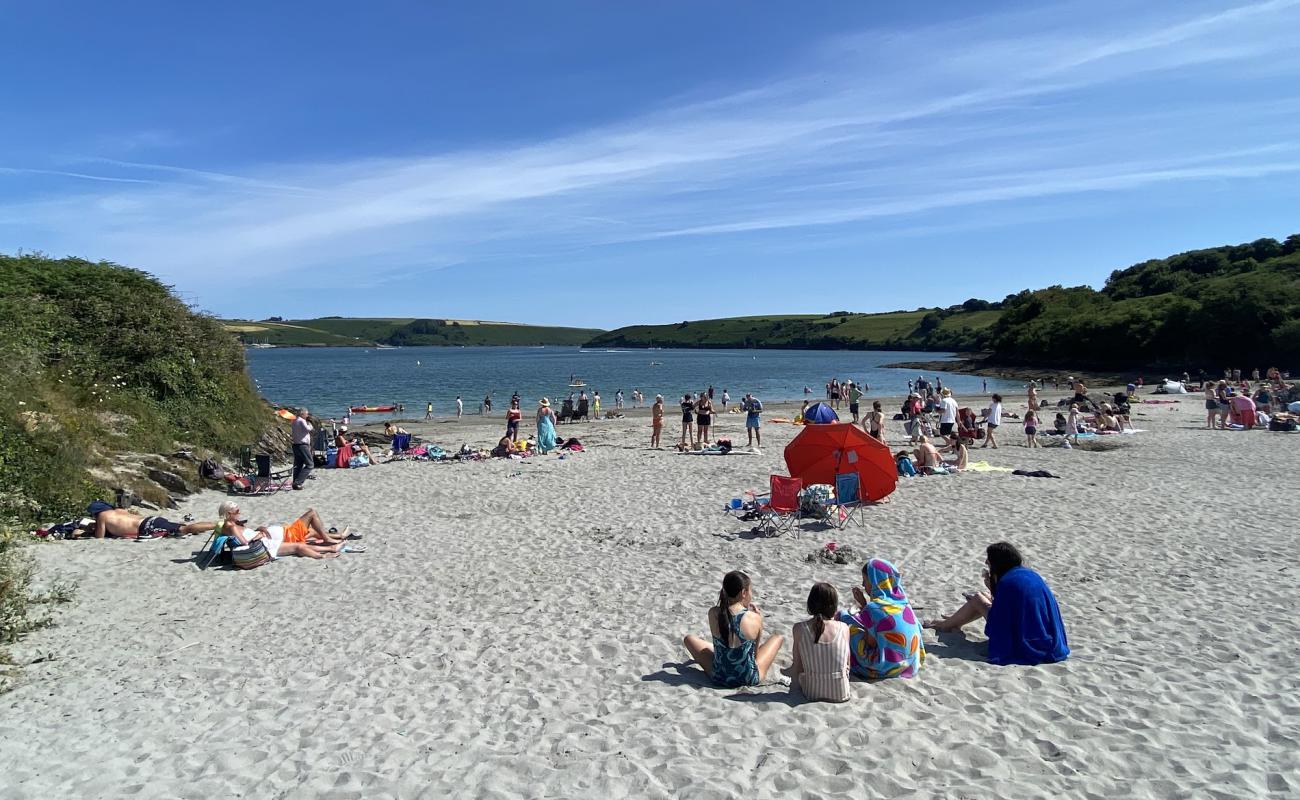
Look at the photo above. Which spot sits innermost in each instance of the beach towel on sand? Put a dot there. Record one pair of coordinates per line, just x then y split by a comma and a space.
1024, 625
885, 637
984, 466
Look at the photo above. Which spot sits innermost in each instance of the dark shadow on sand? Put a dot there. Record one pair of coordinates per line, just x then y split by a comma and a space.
956, 645
680, 673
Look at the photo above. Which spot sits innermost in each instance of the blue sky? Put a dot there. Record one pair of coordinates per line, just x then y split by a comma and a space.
606, 163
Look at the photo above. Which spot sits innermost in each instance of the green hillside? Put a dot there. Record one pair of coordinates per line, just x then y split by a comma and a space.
1211, 308
1237, 305
402, 332
950, 329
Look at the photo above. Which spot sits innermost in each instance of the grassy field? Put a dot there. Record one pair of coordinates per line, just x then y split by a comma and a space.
398, 331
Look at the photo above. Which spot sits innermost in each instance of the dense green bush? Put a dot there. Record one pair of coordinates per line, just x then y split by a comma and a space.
104, 358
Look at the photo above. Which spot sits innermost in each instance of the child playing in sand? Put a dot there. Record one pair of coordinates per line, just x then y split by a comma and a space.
735, 658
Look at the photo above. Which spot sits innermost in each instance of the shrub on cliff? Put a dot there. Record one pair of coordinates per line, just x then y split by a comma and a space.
102, 359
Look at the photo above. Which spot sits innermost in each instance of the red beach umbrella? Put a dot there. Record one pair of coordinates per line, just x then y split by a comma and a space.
820, 452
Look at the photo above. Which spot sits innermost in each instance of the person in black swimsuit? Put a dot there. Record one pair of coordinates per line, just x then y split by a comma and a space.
688, 406
703, 417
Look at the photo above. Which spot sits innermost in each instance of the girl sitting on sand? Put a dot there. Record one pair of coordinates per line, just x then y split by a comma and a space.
885, 636
1023, 621
821, 649
735, 658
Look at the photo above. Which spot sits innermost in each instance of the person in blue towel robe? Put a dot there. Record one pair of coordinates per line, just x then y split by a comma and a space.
1023, 622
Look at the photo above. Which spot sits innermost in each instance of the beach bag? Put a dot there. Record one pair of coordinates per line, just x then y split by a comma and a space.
906, 468
211, 470
251, 555
1278, 424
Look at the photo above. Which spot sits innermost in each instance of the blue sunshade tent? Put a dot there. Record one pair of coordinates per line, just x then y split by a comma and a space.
820, 414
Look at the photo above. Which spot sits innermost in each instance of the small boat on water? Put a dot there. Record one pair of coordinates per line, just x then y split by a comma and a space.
656, 363
577, 385
370, 409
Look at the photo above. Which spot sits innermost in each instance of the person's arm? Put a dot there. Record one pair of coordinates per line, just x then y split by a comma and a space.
797, 666
101, 527
237, 531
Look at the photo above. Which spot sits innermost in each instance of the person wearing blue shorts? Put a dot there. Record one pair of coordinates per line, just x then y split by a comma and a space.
752, 408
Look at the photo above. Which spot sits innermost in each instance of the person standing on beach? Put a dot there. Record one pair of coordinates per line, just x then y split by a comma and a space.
513, 416
545, 426
986, 385
460, 407
874, 422
1031, 428
428, 411
855, 395
948, 416
753, 420
595, 403
991, 422
1033, 395
726, 398
656, 421
704, 417
688, 417
618, 400
302, 460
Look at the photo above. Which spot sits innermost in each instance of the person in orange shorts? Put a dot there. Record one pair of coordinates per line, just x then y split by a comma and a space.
310, 529
305, 536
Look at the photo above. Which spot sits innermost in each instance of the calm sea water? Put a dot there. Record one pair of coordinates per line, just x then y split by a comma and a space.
328, 380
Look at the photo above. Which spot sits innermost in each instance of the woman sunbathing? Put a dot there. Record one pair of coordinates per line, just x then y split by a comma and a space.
1023, 621
735, 658
305, 536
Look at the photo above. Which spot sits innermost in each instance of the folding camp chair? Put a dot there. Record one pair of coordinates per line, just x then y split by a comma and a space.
212, 549
781, 509
265, 481
401, 442
848, 499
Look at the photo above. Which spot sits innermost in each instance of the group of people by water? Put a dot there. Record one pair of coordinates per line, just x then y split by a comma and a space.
883, 638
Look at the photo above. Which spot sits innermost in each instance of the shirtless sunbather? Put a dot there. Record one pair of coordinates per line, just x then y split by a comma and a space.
926, 454
120, 523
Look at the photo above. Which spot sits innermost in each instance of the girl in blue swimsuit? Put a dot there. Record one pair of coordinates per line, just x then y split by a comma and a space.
735, 657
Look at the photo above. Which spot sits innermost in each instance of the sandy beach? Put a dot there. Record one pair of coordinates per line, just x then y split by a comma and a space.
514, 630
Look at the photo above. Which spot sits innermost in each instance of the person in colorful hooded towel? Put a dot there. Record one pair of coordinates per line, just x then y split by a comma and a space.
885, 635
1023, 622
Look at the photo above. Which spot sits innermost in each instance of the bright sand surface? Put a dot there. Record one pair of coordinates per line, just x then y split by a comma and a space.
515, 631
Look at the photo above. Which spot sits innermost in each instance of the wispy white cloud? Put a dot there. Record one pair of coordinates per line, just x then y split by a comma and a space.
877, 124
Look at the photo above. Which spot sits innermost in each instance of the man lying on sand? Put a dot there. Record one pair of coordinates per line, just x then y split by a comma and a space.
122, 524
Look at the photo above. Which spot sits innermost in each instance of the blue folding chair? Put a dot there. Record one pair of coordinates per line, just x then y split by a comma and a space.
401, 442
848, 498
216, 544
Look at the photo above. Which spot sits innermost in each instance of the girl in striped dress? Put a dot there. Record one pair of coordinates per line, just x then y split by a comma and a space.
821, 649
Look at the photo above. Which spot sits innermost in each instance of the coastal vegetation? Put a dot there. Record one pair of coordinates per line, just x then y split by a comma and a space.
401, 332
106, 369
1225, 305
